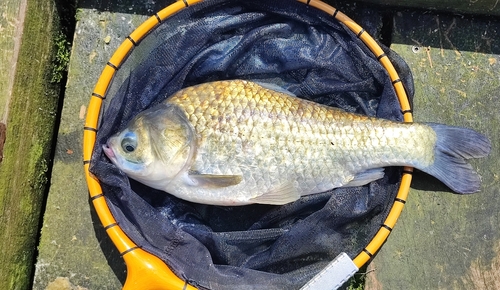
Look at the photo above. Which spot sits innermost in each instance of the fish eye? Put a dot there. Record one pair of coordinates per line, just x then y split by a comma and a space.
129, 142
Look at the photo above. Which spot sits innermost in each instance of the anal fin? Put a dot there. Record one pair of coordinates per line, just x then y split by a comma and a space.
282, 194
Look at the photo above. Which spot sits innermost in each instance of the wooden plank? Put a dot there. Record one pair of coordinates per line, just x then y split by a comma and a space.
486, 7
443, 240
28, 105
11, 30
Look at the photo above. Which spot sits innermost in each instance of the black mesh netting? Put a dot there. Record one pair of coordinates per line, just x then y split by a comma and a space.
283, 42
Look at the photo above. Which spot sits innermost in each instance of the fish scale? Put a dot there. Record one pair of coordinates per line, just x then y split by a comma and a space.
239, 142
300, 124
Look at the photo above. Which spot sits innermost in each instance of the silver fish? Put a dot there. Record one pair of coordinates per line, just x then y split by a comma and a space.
238, 142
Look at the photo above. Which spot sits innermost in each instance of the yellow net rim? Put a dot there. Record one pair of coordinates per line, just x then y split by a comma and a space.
146, 271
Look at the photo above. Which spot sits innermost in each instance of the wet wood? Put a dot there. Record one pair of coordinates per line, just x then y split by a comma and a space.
27, 104
3, 136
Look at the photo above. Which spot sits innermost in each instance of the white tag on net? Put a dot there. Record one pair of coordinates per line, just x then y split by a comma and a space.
334, 275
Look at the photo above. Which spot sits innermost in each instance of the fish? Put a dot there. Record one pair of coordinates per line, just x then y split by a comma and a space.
240, 142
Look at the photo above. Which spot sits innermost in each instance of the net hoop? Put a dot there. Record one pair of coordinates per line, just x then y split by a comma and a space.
146, 271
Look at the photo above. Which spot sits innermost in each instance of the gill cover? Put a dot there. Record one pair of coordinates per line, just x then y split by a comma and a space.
171, 136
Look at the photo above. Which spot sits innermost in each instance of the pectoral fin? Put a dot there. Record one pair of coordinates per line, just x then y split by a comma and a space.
282, 194
366, 177
215, 181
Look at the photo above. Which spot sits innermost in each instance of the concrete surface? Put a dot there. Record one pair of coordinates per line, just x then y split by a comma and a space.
73, 244
443, 240
482, 7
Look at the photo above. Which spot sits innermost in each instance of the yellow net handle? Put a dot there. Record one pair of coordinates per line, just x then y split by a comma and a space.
146, 271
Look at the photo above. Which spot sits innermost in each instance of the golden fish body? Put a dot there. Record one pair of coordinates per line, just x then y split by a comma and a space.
239, 142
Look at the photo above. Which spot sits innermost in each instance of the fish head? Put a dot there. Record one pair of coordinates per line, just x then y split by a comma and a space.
130, 150
155, 147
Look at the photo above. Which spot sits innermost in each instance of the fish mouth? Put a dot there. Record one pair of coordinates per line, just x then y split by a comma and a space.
109, 152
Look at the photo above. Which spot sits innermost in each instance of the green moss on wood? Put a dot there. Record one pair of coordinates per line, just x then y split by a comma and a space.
27, 150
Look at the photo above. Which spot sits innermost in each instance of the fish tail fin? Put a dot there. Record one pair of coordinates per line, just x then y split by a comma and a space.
453, 147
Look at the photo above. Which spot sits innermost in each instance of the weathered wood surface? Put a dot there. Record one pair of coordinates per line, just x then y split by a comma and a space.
28, 105
11, 28
485, 7
443, 240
